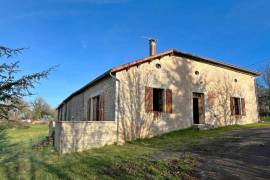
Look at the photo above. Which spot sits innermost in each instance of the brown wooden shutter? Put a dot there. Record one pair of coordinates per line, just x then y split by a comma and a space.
101, 105
89, 109
148, 99
60, 113
168, 101
96, 109
232, 106
243, 106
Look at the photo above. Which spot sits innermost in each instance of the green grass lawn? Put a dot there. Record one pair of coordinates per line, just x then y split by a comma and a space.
132, 160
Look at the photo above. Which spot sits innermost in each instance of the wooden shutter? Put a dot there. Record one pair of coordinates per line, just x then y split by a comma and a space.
65, 114
232, 106
89, 109
243, 106
101, 106
60, 113
148, 99
96, 109
168, 101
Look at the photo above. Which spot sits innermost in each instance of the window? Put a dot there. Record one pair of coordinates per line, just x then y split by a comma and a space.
158, 66
96, 108
89, 109
60, 114
238, 106
66, 115
158, 100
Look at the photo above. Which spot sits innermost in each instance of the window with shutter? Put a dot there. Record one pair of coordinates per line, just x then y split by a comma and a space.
237, 106
65, 114
243, 106
148, 99
60, 114
232, 105
101, 106
168, 100
158, 100
96, 108
237, 109
89, 109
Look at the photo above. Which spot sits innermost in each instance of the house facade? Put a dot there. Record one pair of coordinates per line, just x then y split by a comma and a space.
154, 95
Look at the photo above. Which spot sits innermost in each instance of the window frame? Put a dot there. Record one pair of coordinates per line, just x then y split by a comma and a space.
96, 108
161, 100
237, 106
240, 102
167, 100
91, 109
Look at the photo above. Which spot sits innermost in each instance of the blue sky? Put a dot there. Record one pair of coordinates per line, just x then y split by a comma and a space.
87, 37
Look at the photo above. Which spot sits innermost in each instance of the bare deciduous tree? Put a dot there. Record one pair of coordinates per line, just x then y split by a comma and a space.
135, 123
218, 100
266, 76
263, 91
40, 109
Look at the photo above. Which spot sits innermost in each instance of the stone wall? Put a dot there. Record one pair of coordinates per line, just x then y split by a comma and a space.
76, 136
57, 135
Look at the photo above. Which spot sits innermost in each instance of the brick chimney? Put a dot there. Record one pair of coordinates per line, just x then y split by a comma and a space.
152, 47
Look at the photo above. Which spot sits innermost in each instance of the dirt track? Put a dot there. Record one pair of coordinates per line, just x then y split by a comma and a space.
242, 154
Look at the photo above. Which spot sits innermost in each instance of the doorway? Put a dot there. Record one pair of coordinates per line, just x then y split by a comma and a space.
198, 108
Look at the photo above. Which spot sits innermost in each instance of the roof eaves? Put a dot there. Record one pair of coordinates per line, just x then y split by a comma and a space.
216, 62
140, 61
105, 74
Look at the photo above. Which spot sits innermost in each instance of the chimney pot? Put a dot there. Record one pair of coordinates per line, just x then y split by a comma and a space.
152, 47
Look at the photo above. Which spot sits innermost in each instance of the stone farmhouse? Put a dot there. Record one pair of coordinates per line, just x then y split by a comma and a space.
155, 95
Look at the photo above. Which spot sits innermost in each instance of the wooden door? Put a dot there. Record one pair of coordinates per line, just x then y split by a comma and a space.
198, 108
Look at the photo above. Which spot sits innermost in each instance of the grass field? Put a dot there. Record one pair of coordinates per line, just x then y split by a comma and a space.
132, 160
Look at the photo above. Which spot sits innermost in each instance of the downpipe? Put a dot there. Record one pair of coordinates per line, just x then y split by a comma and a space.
117, 105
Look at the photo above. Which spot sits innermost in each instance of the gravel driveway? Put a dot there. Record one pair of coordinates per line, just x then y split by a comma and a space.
241, 154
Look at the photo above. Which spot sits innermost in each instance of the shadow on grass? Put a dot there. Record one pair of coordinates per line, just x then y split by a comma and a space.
9, 156
20, 161
50, 169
